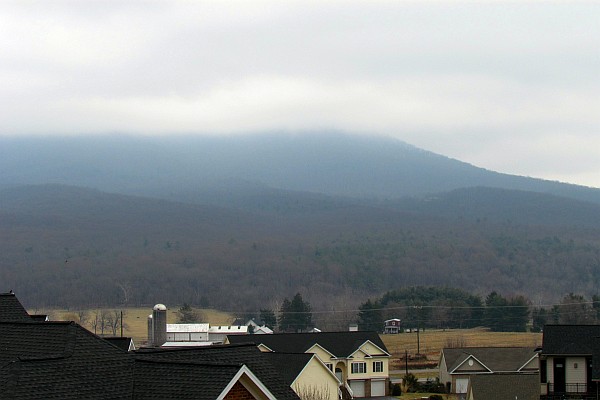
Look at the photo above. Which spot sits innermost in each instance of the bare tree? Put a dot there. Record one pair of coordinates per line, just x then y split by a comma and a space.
82, 317
114, 321
103, 321
312, 392
94, 321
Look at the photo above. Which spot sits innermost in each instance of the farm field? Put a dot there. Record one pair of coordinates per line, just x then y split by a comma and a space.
136, 325
432, 341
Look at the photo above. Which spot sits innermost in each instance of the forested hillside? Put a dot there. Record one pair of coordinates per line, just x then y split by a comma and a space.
70, 246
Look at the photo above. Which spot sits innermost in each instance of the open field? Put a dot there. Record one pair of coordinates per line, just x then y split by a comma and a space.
136, 325
432, 341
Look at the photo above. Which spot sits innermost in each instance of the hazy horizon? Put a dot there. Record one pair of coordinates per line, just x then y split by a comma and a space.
510, 87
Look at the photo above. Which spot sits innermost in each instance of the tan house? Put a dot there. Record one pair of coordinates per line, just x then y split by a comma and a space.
359, 360
457, 365
306, 375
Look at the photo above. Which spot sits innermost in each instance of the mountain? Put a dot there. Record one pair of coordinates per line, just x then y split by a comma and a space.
185, 168
247, 221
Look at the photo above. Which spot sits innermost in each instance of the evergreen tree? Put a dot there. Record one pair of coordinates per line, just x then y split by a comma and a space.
295, 315
494, 312
370, 317
268, 318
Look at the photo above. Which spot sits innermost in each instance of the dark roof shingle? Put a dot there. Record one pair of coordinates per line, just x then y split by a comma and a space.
569, 339
340, 344
61, 360
505, 386
497, 359
11, 309
246, 354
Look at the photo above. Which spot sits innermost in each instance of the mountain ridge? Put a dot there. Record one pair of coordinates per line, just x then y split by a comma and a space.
332, 164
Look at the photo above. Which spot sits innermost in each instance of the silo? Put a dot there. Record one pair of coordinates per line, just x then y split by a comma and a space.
159, 325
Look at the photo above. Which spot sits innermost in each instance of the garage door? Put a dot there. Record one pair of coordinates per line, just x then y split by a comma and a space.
461, 385
358, 388
377, 388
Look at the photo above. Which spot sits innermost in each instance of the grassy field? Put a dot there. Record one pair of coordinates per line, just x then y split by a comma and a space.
136, 324
431, 343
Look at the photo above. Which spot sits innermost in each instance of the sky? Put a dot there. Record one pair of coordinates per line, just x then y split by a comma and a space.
509, 86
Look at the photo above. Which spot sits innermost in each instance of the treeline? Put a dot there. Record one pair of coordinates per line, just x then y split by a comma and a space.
434, 307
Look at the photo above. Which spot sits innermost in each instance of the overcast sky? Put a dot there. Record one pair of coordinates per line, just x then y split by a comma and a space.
513, 87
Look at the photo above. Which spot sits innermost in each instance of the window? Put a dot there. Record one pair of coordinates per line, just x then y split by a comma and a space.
330, 366
543, 371
377, 366
359, 367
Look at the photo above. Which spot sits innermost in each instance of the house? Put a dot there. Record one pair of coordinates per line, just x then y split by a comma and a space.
257, 327
306, 375
263, 330
359, 360
457, 365
569, 356
504, 386
246, 354
392, 326
194, 380
62, 360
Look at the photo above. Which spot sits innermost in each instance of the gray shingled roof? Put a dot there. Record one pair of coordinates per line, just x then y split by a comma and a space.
497, 359
196, 381
569, 339
289, 365
340, 344
247, 354
60, 360
121, 342
505, 386
11, 308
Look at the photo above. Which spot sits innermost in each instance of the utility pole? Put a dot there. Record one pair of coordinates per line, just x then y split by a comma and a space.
406, 360
121, 323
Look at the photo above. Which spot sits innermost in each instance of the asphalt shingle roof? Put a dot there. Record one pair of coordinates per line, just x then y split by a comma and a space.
497, 359
289, 365
121, 342
505, 386
340, 344
153, 380
247, 354
60, 360
569, 339
11, 308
